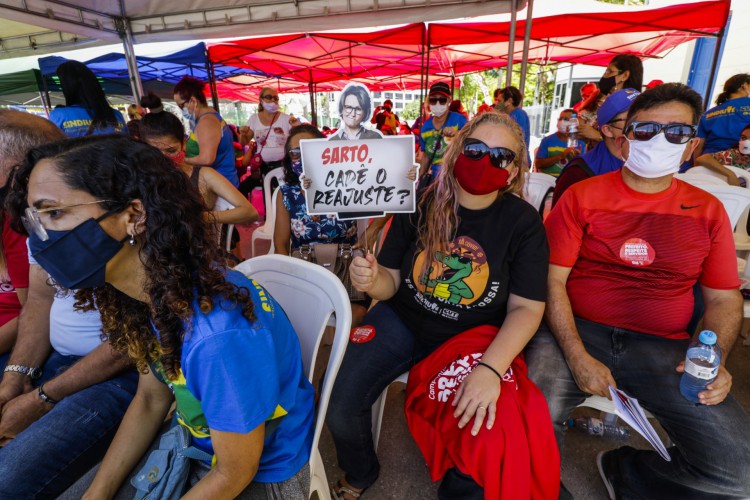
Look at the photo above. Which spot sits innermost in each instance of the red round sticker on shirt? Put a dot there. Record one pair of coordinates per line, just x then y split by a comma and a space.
637, 252
362, 334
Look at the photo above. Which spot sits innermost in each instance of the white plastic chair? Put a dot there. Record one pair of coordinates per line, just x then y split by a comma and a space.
536, 188
222, 204
379, 406
739, 172
310, 295
698, 179
265, 232
735, 199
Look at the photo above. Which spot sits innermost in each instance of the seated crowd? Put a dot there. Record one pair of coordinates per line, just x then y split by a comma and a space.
124, 306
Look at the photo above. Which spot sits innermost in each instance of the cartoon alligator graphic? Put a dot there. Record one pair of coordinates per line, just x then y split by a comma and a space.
450, 285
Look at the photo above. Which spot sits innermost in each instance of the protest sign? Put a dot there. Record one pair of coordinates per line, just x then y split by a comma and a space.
360, 176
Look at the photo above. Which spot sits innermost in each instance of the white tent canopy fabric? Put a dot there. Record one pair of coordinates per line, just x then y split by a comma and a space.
43, 26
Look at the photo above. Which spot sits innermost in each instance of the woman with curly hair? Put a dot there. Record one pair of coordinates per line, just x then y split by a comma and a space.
466, 273
113, 218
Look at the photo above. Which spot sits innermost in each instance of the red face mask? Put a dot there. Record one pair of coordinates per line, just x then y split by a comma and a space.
479, 176
178, 158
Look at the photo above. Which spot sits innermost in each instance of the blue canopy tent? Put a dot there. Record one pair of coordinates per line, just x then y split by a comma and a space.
158, 74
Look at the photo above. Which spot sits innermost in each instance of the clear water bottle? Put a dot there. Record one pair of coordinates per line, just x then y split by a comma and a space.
573, 131
701, 365
597, 427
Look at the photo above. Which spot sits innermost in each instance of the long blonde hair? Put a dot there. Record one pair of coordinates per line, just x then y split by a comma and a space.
438, 208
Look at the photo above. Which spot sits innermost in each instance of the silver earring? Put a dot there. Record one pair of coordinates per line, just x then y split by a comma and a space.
131, 241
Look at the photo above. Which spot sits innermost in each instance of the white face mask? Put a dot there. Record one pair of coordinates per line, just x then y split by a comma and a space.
438, 109
745, 147
654, 158
271, 107
562, 126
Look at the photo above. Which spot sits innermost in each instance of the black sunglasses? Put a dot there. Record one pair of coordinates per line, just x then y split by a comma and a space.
500, 157
295, 152
441, 100
676, 133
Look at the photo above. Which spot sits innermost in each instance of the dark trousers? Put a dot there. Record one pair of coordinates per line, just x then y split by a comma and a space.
710, 458
367, 369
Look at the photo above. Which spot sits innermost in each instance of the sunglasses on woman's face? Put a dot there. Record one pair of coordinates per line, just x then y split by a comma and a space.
295, 153
676, 133
269, 98
441, 100
500, 157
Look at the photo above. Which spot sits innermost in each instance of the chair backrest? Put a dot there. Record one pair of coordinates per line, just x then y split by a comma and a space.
537, 186
309, 294
278, 174
699, 179
222, 204
735, 199
706, 171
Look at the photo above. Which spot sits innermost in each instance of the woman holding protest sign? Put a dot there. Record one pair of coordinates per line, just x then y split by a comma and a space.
466, 273
294, 226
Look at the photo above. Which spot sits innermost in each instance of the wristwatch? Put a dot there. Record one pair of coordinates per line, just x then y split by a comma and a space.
32, 373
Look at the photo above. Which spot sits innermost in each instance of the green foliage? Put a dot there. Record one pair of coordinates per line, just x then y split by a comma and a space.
410, 111
477, 88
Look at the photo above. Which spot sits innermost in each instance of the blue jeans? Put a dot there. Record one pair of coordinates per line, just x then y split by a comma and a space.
53, 452
711, 458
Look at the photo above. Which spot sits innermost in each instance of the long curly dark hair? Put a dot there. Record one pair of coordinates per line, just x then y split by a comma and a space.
183, 263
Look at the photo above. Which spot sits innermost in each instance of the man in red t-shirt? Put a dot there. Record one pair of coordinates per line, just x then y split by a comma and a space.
626, 249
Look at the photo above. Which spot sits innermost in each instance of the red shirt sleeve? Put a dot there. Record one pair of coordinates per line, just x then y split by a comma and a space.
720, 267
16, 256
564, 232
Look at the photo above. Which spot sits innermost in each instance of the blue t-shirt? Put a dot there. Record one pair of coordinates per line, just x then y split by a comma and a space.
75, 121
433, 143
522, 119
722, 125
311, 229
551, 146
243, 374
224, 162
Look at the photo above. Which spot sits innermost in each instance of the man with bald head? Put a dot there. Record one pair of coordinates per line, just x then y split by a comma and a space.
63, 391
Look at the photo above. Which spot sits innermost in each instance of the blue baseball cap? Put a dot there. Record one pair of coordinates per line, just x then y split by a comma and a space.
615, 104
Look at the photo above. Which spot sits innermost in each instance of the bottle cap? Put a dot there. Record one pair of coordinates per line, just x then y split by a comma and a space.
707, 337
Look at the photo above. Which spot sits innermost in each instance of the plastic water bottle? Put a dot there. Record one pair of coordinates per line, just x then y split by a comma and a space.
573, 131
701, 365
597, 427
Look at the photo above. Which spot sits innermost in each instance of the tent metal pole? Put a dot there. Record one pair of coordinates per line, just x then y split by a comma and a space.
511, 42
526, 41
311, 89
426, 89
123, 28
212, 83
44, 103
712, 74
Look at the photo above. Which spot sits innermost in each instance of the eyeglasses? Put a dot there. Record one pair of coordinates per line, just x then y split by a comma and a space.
32, 221
352, 110
676, 133
441, 100
269, 98
295, 153
500, 157
182, 104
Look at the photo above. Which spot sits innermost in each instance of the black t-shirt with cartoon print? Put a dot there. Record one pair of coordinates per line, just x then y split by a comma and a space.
498, 250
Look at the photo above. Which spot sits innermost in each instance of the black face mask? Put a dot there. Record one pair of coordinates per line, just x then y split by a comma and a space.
606, 84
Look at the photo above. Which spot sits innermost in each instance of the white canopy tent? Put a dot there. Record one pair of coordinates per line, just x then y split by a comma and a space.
32, 27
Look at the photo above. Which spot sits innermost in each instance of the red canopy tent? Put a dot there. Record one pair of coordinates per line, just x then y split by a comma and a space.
576, 37
395, 58
384, 59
